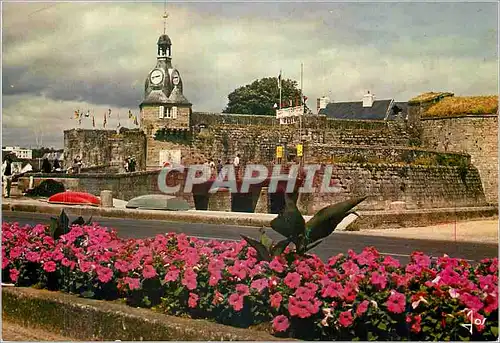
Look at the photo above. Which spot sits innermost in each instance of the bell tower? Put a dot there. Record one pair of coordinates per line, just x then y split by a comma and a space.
165, 111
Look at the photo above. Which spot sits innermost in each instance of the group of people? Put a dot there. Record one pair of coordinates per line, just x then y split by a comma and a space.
214, 169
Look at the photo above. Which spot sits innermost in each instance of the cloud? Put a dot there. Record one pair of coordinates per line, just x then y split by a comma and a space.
97, 55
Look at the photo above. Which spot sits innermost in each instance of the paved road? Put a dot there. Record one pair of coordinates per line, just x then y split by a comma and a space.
399, 248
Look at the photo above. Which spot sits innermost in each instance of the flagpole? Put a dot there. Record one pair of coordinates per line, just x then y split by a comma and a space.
280, 89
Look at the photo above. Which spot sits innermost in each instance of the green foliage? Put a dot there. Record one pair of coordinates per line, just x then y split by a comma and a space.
61, 226
259, 97
305, 237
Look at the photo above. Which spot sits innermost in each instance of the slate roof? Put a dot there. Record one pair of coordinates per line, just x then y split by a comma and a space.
177, 97
355, 110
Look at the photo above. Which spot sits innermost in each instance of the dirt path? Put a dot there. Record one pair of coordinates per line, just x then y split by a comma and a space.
15, 332
481, 231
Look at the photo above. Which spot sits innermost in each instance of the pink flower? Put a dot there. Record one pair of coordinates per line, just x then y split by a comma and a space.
259, 284
122, 266
33, 256
396, 302
49, 266
238, 270
104, 274
215, 277
133, 283
242, 290
15, 252
378, 280
332, 290
292, 280
189, 280
276, 265
299, 308
391, 262
236, 301
172, 275
57, 255
275, 300
280, 323
362, 308
14, 274
193, 300
350, 268
346, 319
148, 272
5, 262
472, 302
304, 293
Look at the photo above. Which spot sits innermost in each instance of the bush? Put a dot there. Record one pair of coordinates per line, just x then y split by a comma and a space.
362, 296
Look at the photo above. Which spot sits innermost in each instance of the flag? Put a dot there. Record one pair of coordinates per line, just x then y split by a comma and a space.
129, 114
77, 114
80, 121
279, 80
135, 121
87, 114
93, 121
109, 113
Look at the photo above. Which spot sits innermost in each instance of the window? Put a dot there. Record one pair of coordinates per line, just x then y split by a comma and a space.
169, 112
161, 113
174, 112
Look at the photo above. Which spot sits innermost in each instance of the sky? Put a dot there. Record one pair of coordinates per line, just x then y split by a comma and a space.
62, 57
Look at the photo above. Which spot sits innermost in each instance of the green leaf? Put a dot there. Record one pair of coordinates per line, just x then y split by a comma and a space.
279, 247
494, 330
78, 221
88, 294
326, 220
382, 326
262, 252
88, 222
290, 222
266, 240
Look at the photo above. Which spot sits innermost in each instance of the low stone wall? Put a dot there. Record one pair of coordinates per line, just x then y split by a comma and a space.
96, 320
417, 186
124, 186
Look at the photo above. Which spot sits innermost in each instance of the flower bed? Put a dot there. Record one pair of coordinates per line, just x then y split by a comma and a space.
362, 296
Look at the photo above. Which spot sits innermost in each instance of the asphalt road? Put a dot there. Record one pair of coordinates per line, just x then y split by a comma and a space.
399, 248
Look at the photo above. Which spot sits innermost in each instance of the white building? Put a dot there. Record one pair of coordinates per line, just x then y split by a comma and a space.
19, 152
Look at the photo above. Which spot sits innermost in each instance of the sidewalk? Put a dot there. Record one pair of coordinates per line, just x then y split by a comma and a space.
480, 231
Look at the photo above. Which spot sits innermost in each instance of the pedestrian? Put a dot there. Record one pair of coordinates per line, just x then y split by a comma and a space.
46, 167
7, 176
211, 164
57, 165
126, 165
219, 166
77, 165
236, 164
131, 165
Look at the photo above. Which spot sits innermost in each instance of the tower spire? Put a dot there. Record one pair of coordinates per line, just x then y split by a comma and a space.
165, 16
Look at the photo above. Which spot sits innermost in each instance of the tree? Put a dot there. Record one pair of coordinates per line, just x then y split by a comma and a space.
260, 96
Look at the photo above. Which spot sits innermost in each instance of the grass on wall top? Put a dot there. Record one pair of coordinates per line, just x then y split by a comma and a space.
452, 106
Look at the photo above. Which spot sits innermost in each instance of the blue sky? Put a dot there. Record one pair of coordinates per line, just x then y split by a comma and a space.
95, 56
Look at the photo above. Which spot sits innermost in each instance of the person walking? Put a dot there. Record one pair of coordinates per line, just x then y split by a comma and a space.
46, 167
7, 176
236, 164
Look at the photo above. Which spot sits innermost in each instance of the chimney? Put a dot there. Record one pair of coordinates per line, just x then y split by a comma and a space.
322, 103
368, 99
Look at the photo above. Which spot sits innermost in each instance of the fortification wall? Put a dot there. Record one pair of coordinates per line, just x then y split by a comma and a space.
105, 147
477, 135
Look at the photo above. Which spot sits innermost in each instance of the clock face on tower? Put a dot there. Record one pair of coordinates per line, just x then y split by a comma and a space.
156, 76
175, 77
